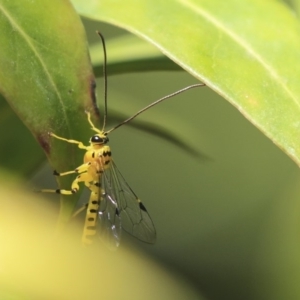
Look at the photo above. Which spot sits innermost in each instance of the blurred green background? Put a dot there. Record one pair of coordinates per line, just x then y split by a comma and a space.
228, 219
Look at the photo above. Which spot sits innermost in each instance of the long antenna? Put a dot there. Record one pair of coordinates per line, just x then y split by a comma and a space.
156, 102
105, 78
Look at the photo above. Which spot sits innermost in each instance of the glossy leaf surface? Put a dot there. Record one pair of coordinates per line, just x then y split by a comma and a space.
247, 51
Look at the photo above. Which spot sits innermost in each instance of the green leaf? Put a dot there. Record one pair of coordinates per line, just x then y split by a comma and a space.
46, 77
236, 47
127, 53
19, 151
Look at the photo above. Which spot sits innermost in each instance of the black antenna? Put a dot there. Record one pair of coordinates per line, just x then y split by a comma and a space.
105, 79
156, 102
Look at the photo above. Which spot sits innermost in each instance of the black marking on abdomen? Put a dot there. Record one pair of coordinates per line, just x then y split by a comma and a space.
90, 227
93, 211
91, 219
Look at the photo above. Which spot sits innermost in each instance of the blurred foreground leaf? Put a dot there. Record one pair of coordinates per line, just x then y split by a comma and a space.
36, 264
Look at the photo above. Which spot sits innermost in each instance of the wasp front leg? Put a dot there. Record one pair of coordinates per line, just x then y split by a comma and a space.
79, 144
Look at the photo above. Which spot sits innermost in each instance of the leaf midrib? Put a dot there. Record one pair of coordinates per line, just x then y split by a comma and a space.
273, 73
31, 45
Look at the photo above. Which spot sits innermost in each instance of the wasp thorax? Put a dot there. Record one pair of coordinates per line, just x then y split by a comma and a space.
98, 139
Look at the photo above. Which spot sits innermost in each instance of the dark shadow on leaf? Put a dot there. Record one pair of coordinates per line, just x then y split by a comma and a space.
141, 65
19, 152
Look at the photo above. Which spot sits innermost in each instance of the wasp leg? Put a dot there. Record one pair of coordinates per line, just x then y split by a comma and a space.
80, 144
82, 168
77, 212
91, 123
84, 177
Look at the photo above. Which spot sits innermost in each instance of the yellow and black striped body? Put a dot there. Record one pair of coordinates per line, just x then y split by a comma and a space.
99, 159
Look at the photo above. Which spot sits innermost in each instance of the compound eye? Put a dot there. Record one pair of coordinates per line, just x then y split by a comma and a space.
96, 139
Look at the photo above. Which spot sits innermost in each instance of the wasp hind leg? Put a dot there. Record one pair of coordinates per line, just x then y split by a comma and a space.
83, 177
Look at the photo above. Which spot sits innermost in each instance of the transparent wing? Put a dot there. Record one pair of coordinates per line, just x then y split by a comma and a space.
133, 214
109, 223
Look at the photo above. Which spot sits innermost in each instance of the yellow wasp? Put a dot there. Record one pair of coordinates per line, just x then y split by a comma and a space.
113, 204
